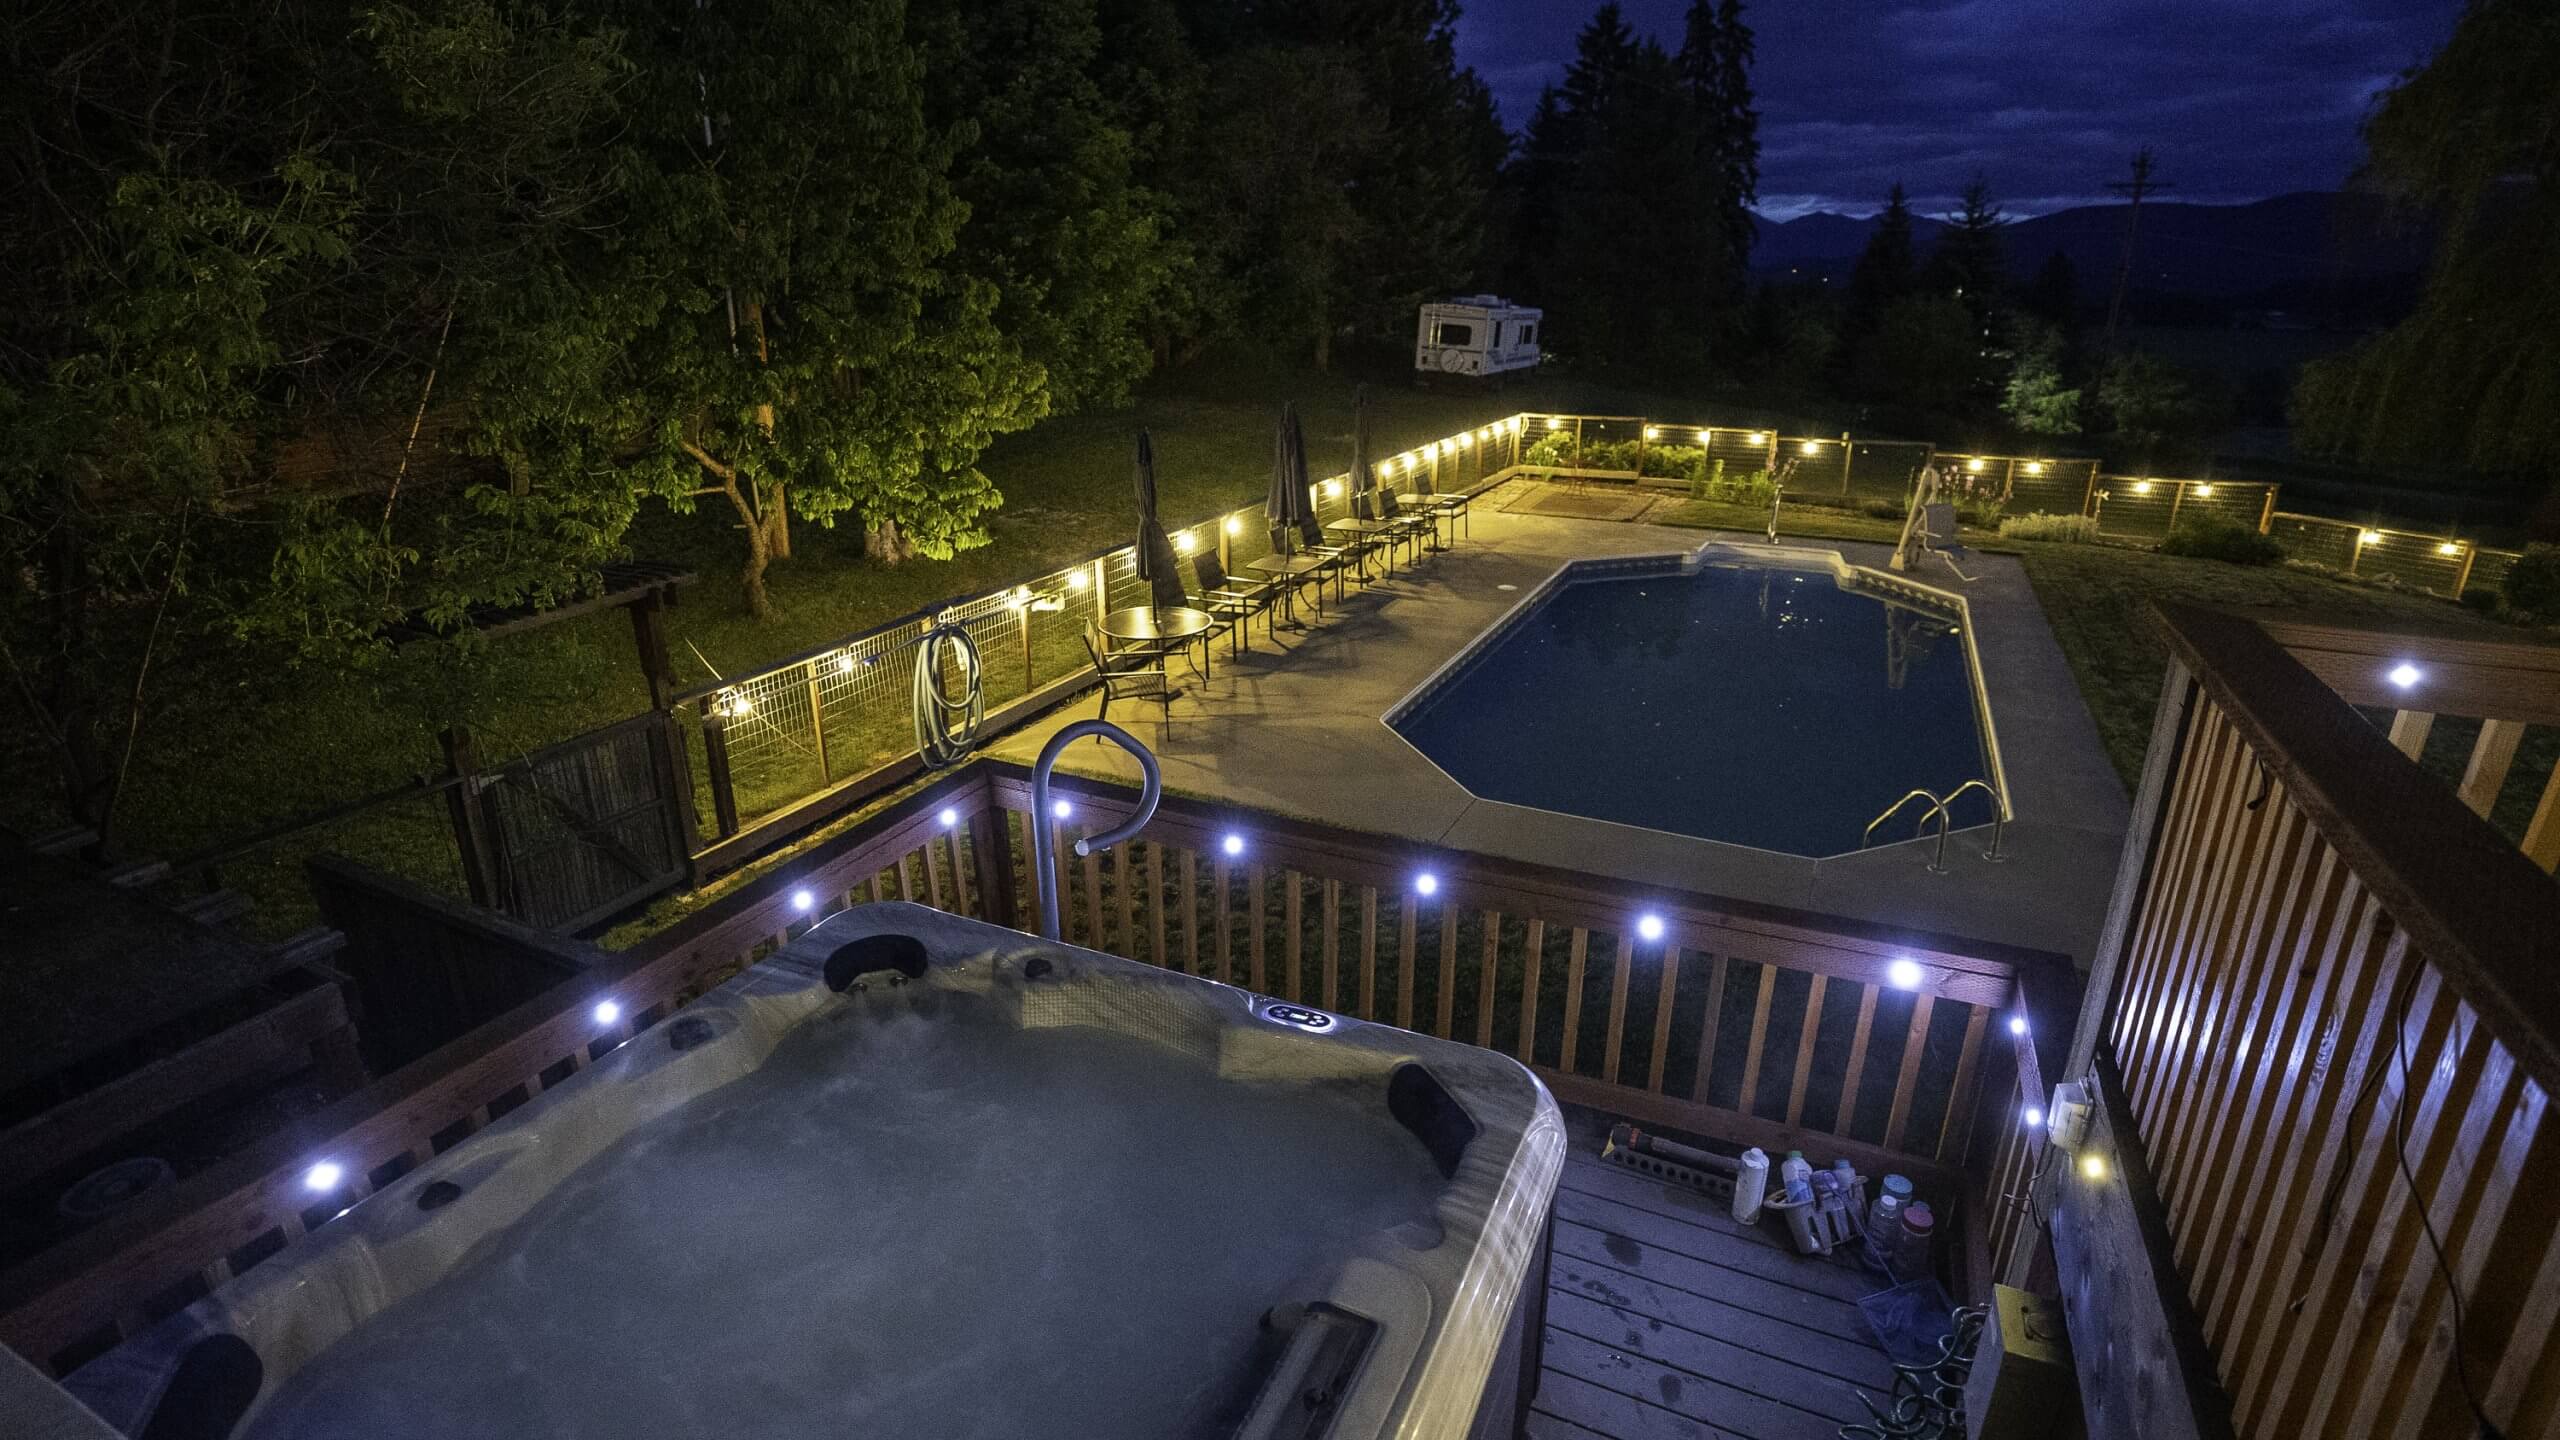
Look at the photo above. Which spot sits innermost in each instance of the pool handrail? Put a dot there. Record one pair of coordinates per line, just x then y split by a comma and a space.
1044, 838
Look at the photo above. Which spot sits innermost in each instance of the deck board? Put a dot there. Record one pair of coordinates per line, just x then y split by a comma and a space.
1666, 1320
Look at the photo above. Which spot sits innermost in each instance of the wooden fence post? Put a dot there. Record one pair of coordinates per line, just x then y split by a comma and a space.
470, 824
1848, 452
817, 723
715, 758
991, 846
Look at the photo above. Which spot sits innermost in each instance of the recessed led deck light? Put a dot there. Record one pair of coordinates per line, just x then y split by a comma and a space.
1426, 883
2405, 675
323, 1177
949, 817
1904, 973
2017, 1024
1232, 845
1060, 809
2033, 1116
1649, 927
801, 900
608, 1011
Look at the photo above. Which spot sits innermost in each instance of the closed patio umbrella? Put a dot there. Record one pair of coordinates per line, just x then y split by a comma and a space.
1288, 507
1363, 472
1157, 564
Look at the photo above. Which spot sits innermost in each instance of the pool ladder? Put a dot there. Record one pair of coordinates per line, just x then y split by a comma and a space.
1939, 811
1044, 829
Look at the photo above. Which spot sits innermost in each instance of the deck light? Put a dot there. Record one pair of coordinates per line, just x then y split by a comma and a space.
2035, 467
2448, 548
1234, 526
2141, 487
1077, 579
2204, 492
1649, 927
1904, 972
949, 817
323, 1177
608, 1011
1756, 438
1233, 844
1060, 809
2033, 1116
2370, 537
2094, 1165
1182, 542
1332, 488
1426, 883
1555, 422
1811, 447
2017, 1024
801, 900
1653, 432
2405, 675
1973, 466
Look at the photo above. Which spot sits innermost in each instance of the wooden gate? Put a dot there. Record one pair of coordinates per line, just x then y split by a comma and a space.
567, 835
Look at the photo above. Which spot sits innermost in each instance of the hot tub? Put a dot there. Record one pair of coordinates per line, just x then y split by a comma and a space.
917, 1176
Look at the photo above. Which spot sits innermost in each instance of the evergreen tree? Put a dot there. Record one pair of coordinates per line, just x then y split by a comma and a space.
2054, 294
2034, 399
1716, 50
1887, 268
1968, 261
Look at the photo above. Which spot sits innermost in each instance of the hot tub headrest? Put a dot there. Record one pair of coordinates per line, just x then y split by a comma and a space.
854, 959
1422, 1105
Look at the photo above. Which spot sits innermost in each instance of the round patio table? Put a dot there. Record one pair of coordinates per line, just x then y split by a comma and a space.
1160, 627
1372, 529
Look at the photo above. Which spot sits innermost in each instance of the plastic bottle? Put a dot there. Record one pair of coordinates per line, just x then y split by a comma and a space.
1919, 1227
1798, 1177
1884, 1213
1751, 1186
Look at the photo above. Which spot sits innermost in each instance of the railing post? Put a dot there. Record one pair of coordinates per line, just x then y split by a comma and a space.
991, 845
817, 723
1847, 453
715, 759
470, 823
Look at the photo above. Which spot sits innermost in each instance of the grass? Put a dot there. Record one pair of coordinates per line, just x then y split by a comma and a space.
235, 748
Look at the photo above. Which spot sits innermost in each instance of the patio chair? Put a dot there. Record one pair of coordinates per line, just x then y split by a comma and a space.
1449, 505
1313, 539
1413, 527
1126, 673
1938, 536
1235, 601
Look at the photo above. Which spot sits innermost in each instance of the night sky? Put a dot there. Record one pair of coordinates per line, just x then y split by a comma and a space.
2049, 98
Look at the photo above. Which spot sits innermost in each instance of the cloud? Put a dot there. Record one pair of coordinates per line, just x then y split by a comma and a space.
2047, 98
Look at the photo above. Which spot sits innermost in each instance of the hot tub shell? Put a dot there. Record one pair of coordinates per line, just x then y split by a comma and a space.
1458, 1321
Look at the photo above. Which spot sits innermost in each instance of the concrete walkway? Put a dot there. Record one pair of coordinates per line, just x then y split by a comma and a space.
1295, 727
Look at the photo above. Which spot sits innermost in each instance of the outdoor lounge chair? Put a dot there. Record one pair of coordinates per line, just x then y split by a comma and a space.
1938, 536
1125, 673
1235, 601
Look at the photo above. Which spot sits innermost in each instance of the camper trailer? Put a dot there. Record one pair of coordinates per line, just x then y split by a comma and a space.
1479, 338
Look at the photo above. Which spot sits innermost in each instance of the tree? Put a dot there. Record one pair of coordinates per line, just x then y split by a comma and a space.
2150, 406
2467, 140
2054, 294
1968, 261
1926, 355
1716, 51
2034, 399
1886, 269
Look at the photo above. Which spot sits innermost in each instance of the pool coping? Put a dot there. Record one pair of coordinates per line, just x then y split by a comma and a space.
1717, 551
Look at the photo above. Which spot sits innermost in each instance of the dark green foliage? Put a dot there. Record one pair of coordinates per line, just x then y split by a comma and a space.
1968, 261
2532, 583
2469, 141
1926, 353
2153, 411
2053, 296
1886, 270
2209, 536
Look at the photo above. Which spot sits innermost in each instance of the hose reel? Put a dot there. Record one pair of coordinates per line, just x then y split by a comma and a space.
947, 724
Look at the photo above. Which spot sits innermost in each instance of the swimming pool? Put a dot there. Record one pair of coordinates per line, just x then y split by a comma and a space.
915, 1175
1779, 700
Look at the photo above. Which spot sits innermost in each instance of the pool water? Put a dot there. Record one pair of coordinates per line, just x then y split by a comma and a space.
1752, 705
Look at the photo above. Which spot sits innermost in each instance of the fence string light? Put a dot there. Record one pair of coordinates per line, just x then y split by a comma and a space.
2448, 548
1234, 526
1811, 447
2369, 537
2141, 487
1974, 466
2035, 467
2204, 492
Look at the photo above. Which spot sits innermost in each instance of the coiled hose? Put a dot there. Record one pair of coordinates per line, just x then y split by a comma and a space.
947, 727
1927, 1402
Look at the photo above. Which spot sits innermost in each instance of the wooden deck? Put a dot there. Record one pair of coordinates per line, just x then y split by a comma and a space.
1668, 1321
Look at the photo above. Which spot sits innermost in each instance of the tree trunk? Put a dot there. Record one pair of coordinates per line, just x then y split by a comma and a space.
759, 555
884, 543
778, 509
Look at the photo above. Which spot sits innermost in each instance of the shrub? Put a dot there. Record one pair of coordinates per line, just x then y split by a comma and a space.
2532, 583
1882, 509
1551, 451
2219, 537
1676, 462
2062, 529
2487, 602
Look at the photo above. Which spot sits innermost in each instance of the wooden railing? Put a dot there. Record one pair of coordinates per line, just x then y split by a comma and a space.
2326, 1045
1760, 1027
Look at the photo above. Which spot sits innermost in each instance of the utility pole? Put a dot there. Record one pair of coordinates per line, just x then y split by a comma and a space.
2142, 184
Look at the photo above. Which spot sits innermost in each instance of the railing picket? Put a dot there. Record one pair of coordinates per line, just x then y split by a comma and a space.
1759, 1041
1253, 911
1708, 1024
1957, 1125
1124, 858
1331, 909
1617, 1009
1405, 922
1529, 962
2409, 731
1191, 912
1844, 1121
1576, 945
1097, 929
2542, 835
1446, 991
1226, 922
1669, 961
2492, 756
933, 877
1908, 1077
1484, 978
1804, 1051
1155, 905
1293, 944
1368, 952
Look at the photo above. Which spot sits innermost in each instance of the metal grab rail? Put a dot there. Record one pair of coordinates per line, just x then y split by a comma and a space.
1044, 840
1939, 810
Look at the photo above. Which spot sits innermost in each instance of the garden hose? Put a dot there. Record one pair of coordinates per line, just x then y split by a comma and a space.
946, 727
1927, 1402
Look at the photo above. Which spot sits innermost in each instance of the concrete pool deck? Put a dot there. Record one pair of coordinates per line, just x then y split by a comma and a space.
1296, 727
